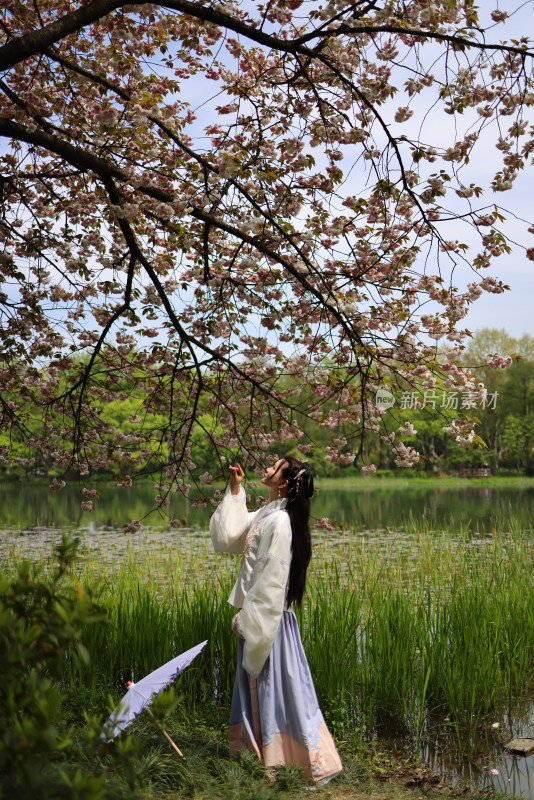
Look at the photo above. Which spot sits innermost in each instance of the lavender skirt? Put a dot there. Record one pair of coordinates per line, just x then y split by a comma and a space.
277, 714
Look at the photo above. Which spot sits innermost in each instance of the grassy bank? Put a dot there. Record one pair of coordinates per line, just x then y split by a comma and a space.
346, 479
397, 629
407, 479
209, 773
150, 770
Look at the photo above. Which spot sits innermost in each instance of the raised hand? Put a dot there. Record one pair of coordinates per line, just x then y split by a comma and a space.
236, 476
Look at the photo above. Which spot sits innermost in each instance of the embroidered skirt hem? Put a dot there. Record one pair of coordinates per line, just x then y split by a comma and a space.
277, 714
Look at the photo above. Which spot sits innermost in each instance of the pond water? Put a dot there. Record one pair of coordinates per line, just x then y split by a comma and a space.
33, 518
370, 507
488, 766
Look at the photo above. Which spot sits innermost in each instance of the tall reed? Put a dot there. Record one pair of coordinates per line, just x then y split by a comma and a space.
395, 626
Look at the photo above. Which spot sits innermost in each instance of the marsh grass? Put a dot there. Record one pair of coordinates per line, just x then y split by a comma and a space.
396, 626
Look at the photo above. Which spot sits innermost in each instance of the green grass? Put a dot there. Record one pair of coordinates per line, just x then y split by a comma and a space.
405, 479
395, 627
209, 773
347, 478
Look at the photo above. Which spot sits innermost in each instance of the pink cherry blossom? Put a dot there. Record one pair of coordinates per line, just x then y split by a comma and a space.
324, 524
225, 275
369, 469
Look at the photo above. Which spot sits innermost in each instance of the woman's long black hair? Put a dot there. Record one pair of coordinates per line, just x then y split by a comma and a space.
299, 492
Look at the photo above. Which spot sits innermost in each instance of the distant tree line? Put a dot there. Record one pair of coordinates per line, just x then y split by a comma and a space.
504, 417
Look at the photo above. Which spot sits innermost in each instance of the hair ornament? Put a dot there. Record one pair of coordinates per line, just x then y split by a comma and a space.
297, 480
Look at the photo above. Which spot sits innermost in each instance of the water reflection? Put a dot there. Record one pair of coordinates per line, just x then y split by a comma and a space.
365, 507
488, 766
479, 507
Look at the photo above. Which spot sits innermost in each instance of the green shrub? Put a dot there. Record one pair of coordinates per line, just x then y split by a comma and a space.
41, 616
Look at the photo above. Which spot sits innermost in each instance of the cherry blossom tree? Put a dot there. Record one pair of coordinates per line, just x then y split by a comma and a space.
235, 213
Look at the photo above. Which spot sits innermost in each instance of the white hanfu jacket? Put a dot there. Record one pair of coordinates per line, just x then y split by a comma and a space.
264, 539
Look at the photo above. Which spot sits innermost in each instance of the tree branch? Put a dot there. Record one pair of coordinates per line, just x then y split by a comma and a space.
29, 44
452, 38
37, 41
82, 158
76, 156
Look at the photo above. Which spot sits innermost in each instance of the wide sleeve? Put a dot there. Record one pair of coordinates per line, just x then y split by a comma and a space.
229, 523
258, 620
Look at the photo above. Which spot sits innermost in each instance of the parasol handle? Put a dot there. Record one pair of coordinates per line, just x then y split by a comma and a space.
164, 732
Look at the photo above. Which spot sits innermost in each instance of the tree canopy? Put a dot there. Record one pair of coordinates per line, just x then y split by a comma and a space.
201, 200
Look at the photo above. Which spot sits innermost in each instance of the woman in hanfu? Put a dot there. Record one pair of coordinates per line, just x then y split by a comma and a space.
274, 705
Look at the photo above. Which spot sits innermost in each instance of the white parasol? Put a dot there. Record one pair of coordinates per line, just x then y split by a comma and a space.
140, 694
